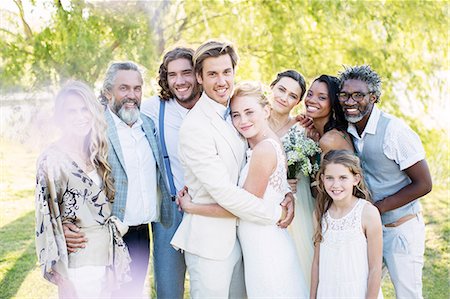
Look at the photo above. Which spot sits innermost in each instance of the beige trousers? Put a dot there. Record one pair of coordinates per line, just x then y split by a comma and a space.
217, 278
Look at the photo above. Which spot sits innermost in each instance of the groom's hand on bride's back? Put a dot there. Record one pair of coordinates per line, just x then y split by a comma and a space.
288, 207
74, 238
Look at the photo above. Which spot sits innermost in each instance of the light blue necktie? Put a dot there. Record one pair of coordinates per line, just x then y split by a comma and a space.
227, 111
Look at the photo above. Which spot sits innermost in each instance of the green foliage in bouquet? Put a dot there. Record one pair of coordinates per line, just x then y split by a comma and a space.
300, 153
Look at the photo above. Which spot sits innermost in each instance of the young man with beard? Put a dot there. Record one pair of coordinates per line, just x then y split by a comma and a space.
179, 93
393, 160
141, 194
212, 154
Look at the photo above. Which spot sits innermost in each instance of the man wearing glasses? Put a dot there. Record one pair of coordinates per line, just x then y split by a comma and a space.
395, 169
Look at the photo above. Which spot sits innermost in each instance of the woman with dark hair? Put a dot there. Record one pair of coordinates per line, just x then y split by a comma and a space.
288, 89
330, 126
323, 107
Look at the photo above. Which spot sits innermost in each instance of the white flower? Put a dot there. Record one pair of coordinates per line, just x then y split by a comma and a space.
299, 151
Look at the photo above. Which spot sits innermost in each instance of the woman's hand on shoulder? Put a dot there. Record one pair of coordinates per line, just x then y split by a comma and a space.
304, 121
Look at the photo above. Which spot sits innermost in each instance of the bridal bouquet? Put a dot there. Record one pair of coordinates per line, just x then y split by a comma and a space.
299, 151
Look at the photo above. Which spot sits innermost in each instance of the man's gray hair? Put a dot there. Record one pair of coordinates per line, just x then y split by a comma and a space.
110, 76
363, 73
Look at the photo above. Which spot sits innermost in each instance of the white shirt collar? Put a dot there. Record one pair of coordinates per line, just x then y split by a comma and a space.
218, 108
120, 123
371, 126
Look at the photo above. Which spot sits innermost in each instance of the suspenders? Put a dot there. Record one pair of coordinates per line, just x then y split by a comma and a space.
162, 108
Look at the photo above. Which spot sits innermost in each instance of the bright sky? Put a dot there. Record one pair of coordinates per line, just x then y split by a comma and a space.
36, 16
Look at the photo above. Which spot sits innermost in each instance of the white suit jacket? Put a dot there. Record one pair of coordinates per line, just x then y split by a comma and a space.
212, 154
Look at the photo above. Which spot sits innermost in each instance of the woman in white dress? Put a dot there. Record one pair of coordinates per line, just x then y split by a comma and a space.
329, 125
288, 90
270, 260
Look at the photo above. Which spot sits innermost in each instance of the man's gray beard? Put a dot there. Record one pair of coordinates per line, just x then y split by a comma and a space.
354, 119
129, 116
357, 118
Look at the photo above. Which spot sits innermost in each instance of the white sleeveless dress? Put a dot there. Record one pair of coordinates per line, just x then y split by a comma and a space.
271, 265
343, 261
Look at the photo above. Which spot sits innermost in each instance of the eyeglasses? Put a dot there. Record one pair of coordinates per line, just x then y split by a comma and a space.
356, 96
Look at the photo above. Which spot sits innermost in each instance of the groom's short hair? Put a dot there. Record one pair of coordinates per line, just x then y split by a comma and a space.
213, 48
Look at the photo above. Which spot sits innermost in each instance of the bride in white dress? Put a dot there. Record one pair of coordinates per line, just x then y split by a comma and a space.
272, 268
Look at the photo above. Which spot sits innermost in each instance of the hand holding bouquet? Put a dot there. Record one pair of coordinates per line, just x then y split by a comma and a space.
300, 152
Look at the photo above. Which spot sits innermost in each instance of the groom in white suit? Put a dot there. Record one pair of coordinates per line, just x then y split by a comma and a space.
212, 154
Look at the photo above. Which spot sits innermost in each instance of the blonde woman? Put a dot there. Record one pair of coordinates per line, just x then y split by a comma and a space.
74, 185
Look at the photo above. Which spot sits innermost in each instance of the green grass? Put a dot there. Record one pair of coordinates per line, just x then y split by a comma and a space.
20, 277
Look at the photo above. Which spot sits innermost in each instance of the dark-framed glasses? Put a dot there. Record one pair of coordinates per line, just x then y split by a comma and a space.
356, 96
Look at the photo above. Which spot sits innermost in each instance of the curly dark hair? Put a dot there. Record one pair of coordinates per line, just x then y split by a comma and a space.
170, 56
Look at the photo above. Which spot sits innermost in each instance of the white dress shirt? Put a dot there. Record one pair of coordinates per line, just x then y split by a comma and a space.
140, 167
400, 143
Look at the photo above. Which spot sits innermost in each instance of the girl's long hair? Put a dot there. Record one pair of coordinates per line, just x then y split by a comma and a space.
95, 142
323, 201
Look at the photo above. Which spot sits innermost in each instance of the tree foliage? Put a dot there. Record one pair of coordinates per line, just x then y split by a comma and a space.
406, 42
79, 42
402, 40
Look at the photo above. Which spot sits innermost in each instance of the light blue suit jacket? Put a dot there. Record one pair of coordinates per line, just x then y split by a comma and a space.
115, 159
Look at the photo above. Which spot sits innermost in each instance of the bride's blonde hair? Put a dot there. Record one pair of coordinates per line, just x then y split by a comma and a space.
95, 142
252, 89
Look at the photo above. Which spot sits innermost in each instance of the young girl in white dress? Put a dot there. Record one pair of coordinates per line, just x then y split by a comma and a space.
348, 235
271, 264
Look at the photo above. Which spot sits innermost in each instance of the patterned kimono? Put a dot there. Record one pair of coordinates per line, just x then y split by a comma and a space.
65, 194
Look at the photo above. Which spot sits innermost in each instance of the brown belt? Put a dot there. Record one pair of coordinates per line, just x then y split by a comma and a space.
401, 220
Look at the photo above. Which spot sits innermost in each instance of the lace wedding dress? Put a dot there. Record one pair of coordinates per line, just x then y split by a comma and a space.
271, 264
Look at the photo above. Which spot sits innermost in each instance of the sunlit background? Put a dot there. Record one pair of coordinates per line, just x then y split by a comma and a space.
44, 43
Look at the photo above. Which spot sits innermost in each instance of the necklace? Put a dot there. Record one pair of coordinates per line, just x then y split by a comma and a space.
283, 126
